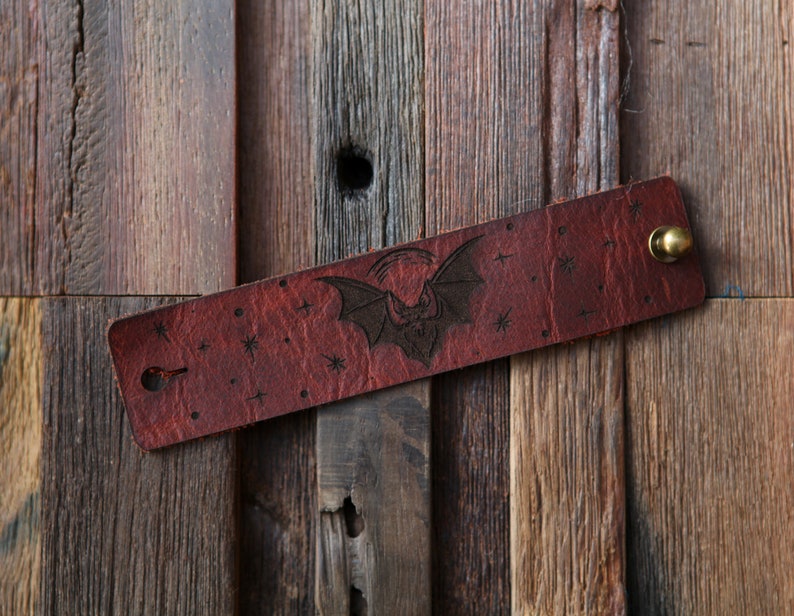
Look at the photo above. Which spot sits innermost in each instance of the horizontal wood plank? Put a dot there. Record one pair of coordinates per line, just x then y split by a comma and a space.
710, 460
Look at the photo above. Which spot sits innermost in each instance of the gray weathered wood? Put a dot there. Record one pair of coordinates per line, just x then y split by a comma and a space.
278, 487
366, 80
124, 532
520, 114
709, 101
711, 456
20, 450
122, 112
378, 542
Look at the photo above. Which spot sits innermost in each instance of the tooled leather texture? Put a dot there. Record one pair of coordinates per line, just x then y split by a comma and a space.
567, 271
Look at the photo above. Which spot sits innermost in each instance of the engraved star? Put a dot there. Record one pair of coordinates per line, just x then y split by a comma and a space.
258, 396
203, 346
635, 207
335, 363
567, 264
305, 306
161, 330
503, 322
585, 314
502, 258
251, 344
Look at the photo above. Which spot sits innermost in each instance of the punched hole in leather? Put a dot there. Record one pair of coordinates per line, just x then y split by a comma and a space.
567, 271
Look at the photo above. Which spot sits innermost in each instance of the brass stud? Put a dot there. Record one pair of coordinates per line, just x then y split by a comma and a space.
668, 244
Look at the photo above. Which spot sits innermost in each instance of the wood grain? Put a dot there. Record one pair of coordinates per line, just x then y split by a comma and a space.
278, 485
711, 457
556, 64
20, 450
367, 100
124, 532
19, 72
566, 476
378, 541
710, 101
118, 181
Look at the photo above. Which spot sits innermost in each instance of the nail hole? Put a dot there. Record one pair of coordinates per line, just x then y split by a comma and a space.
304, 393
534, 278
510, 226
353, 170
354, 521
545, 333
282, 283
601, 288
287, 340
648, 299
155, 378
358, 604
233, 381
238, 312
562, 230
194, 415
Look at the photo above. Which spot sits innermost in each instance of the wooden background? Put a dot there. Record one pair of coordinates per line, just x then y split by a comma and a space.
151, 152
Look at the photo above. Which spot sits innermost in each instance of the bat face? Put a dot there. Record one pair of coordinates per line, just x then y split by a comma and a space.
417, 328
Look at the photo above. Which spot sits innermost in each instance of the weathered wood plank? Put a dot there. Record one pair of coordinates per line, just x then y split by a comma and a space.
18, 115
710, 101
374, 538
566, 430
368, 158
566, 474
710, 496
20, 450
132, 139
278, 485
124, 532
556, 64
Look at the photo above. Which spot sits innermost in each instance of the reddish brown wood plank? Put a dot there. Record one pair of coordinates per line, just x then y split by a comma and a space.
19, 93
710, 101
128, 110
711, 456
278, 485
20, 451
519, 114
124, 532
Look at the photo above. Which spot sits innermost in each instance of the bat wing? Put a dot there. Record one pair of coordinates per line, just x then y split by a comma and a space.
453, 284
366, 306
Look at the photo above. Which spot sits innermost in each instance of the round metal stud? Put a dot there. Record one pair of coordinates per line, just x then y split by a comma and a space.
668, 244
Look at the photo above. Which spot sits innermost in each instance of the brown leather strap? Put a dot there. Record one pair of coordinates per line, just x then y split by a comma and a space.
280, 345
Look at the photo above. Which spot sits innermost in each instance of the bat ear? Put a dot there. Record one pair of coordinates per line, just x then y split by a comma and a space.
397, 305
426, 298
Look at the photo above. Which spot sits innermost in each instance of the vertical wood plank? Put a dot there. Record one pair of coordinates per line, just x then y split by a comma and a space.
135, 107
19, 72
556, 65
711, 103
566, 430
711, 456
566, 466
368, 115
125, 532
134, 194
278, 485
20, 450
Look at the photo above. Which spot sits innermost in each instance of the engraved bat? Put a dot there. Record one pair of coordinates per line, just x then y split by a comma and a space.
417, 329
